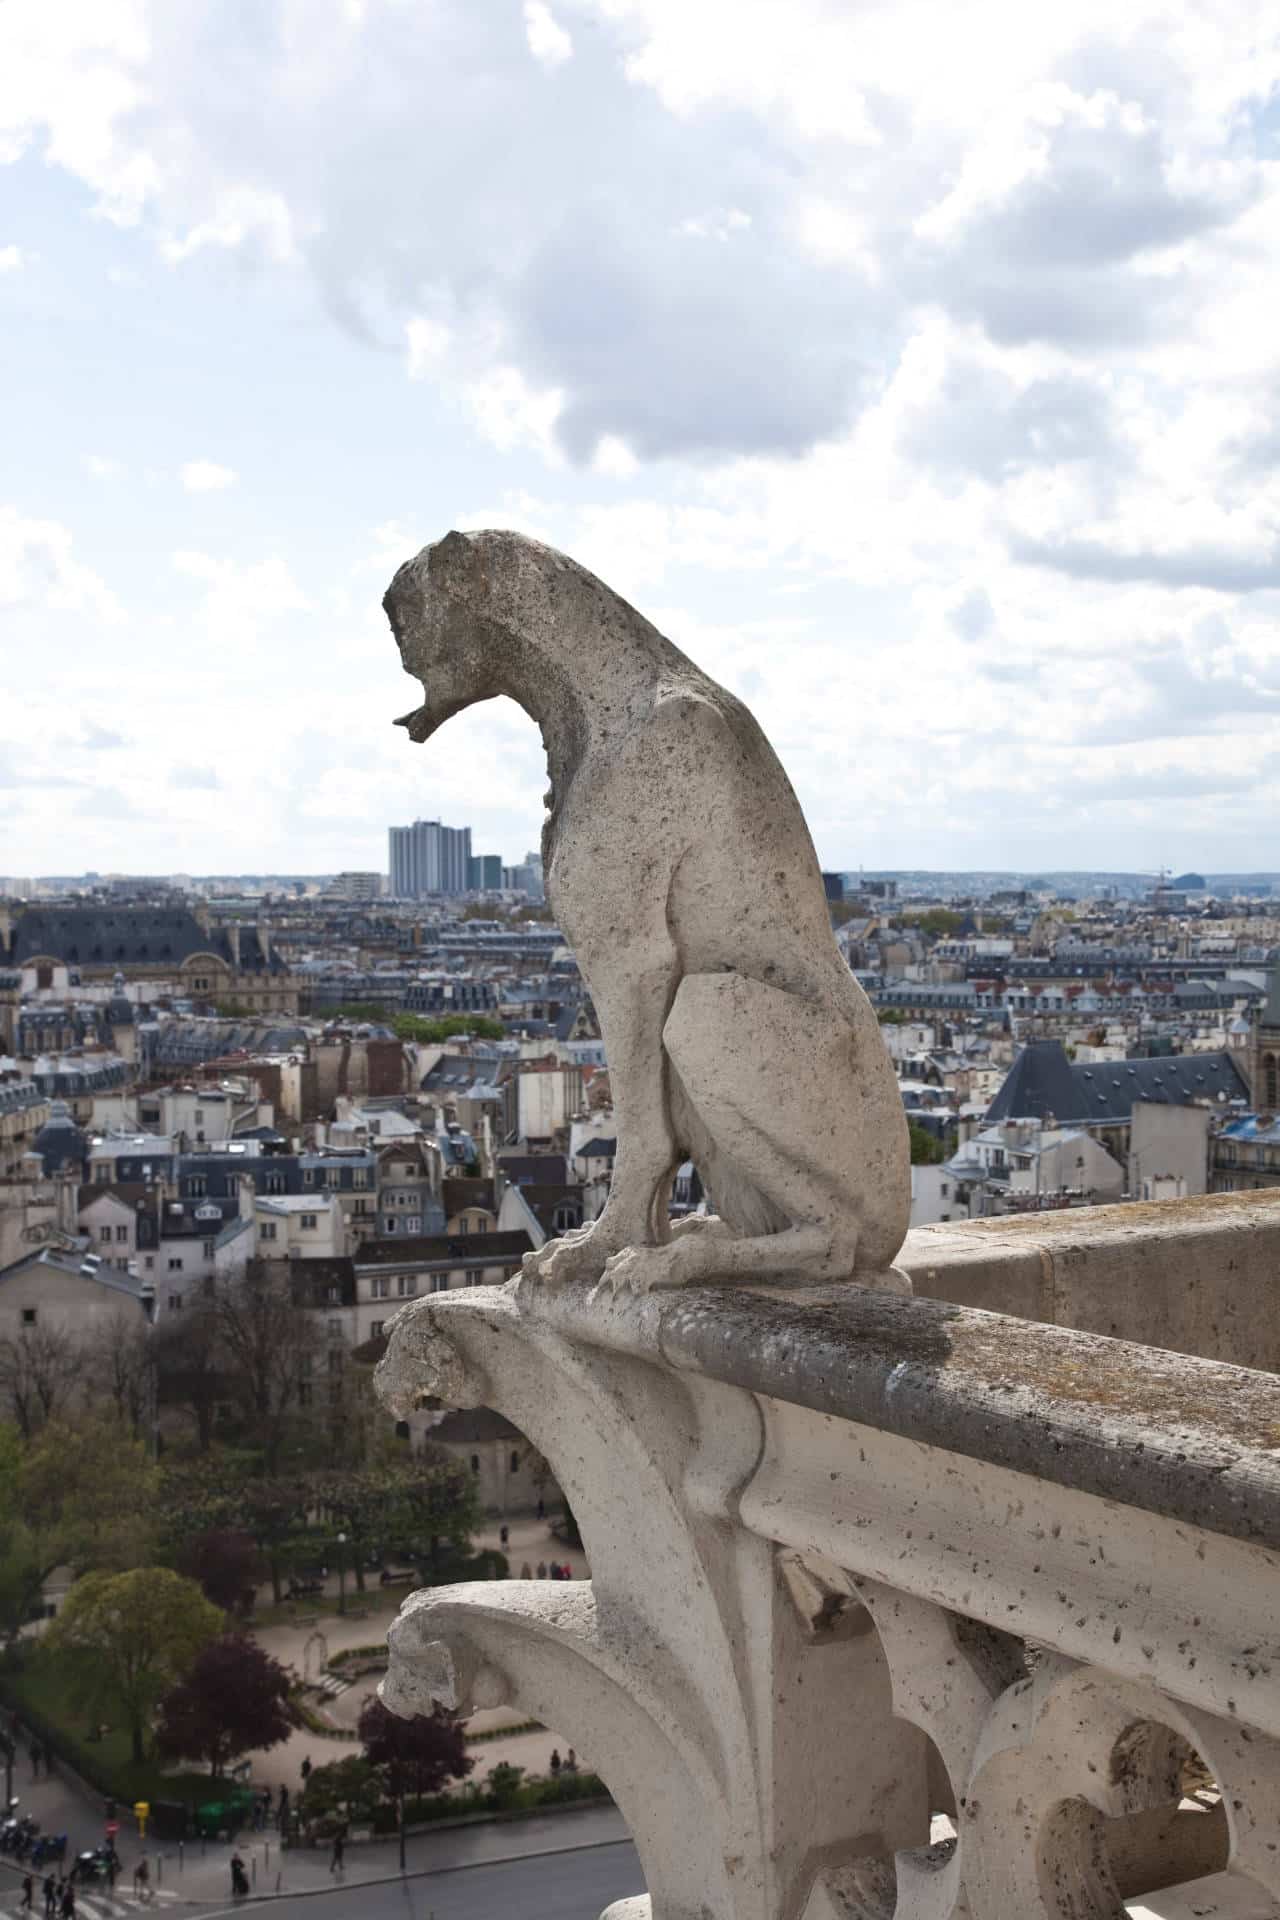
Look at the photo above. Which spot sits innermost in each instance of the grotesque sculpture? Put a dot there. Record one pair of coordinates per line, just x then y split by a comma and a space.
680, 868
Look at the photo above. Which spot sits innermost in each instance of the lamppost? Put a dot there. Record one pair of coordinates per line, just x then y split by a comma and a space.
342, 1573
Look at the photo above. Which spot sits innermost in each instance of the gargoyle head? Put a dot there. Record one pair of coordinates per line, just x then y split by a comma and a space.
439, 613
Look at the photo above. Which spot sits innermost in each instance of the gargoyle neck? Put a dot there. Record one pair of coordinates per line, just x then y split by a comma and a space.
562, 713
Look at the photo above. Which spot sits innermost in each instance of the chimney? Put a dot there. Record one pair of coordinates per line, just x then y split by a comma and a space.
245, 1195
264, 939
233, 936
200, 914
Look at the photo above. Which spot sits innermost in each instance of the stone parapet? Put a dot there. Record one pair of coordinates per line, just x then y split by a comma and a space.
899, 1607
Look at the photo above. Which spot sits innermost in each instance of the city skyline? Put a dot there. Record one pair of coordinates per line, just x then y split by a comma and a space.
903, 409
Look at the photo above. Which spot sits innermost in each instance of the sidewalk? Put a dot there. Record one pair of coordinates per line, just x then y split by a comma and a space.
204, 1874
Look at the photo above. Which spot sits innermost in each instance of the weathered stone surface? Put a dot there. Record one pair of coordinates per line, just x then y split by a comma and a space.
1200, 1276
845, 1580
679, 865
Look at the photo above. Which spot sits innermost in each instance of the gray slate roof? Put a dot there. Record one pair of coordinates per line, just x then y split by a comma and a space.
1043, 1081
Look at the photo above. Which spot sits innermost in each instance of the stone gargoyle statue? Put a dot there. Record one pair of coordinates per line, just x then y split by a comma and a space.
678, 863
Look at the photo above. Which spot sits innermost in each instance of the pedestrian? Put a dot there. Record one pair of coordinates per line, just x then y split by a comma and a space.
571, 1761
68, 1907
50, 1896
542, 1508
337, 1865
28, 1893
555, 1761
142, 1878
526, 1571
282, 1810
305, 1771
504, 1533
542, 1569
34, 1754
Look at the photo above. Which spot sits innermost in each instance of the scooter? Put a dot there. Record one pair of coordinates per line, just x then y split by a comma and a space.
96, 1863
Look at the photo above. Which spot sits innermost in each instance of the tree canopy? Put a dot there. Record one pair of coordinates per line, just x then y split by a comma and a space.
129, 1638
415, 1756
234, 1700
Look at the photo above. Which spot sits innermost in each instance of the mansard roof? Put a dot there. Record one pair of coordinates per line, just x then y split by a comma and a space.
128, 936
1043, 1081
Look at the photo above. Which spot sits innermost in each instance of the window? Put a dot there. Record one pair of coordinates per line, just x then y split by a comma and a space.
414, 1223
304, 1393
360, 1177
208, 1249
28, 1316
308, 1222
389, 1225
149, 1262
104, 1233
406, 1283
335, 1296
308, 1176
273, 1183
375, 1329
515, 1461
381, 1287
197, 1187
267, 1231
199, 1118
335, 1359
175, 1263
439, 1283
175, 1301
475, 1463
122, 1234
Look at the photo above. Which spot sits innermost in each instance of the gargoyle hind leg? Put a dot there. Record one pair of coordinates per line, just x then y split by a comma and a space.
770, 1079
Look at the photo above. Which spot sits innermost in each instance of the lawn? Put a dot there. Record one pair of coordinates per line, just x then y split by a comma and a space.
38, 1690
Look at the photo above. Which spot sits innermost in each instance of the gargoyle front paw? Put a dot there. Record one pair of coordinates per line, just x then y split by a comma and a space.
575, 1256
644, 1269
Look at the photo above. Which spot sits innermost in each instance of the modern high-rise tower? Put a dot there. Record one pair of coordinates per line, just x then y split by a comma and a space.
429, 858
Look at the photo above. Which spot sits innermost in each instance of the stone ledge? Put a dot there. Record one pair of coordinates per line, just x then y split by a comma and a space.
1197, 1276
1191, 1439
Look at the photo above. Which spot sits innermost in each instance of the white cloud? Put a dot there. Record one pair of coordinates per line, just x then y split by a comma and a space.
206, 476
549, 42
11, 258
100, 466
877, 350
428, 342
39, 571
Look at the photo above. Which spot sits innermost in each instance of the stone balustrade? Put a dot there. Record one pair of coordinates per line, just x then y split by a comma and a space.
899, 1607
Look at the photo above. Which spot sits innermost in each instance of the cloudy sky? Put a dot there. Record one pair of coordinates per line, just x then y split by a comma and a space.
915, 366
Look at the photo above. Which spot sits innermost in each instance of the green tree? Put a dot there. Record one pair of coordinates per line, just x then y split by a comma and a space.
412, 1026
86, 1492
21, 1574
127, 1638
926, 1151
392, 1507
350, 1787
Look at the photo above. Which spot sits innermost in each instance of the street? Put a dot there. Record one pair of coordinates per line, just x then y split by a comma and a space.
575, 1885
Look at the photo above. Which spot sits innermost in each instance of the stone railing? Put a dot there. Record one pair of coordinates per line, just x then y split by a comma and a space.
899, 1607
